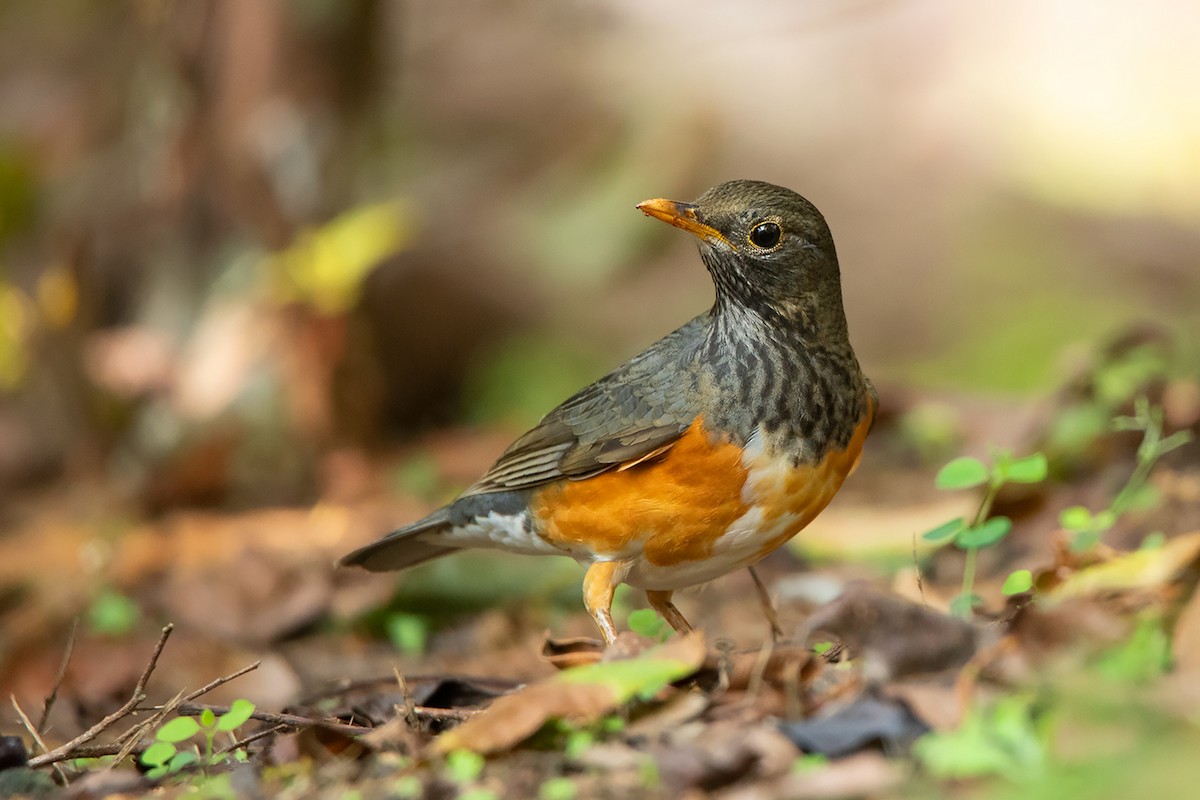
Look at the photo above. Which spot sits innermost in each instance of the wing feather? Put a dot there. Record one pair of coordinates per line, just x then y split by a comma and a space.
632, 414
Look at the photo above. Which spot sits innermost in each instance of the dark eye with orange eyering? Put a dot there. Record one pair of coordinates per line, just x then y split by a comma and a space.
765, 235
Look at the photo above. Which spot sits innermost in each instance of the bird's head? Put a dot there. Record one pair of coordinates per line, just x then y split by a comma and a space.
768, 250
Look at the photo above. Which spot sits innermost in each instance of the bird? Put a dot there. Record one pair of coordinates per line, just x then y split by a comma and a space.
703, 453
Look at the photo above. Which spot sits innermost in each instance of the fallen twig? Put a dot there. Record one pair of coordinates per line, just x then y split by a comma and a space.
208, 687
129, 739
65, 751
48, 703
37, 736
287, 720
254, 737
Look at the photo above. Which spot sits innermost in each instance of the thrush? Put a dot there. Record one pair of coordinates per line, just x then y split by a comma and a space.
700, 455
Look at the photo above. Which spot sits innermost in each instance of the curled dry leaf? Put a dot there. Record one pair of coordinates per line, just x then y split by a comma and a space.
572, 652
1140, 570
581, 695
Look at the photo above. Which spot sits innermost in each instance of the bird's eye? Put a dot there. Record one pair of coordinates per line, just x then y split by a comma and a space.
765, 235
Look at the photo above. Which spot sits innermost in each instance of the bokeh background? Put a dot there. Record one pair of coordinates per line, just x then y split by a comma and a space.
277, 275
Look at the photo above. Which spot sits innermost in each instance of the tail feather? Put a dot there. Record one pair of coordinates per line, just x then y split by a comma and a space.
402, 548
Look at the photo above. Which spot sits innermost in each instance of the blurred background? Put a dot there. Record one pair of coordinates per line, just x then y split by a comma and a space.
277, 276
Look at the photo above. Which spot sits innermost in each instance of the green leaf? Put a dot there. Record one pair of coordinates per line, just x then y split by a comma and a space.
1030, 469
237, 715
578, 743
944, 531
1153, 541
646, 622
1001, 740
408, 787
112, 614
1018, 582
636, 677
464, 766
208, 718
1141, 658
984, 534
408, 633
561, 788
962, 473
157, 754
1075, 518
809, 762
178, 729
182, 759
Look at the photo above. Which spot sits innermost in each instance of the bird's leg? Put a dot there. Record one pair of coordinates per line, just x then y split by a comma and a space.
599, 584
764, 600
660, 601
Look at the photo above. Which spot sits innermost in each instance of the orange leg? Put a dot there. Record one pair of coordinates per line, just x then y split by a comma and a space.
599, 584
660, 601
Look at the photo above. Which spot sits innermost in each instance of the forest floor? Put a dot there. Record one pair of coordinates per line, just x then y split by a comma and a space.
1053, 654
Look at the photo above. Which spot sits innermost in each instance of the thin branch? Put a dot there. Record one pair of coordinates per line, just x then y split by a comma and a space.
139, 694
288, 720
37, 737
221, 681
129, 739
254, 737
447, 714
48, 703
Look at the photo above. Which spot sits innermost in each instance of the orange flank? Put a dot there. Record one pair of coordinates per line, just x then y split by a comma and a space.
672, 508
675, 507
803, 492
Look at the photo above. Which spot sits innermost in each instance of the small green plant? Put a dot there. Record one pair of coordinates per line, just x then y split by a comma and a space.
983, 530
578, 740
408, 786
646, 622
1018, 582
409, 633
112, 614
809, 762
1001, 739
558, 789
1141, 658
164, 756
1086, 527
464, 766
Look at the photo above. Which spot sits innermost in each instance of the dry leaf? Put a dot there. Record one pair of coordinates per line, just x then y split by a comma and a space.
1139, 570
580, 695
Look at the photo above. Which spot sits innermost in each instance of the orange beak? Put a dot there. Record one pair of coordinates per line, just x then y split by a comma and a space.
681, 215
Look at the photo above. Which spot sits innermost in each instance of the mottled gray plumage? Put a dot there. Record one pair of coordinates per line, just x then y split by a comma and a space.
771, 355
